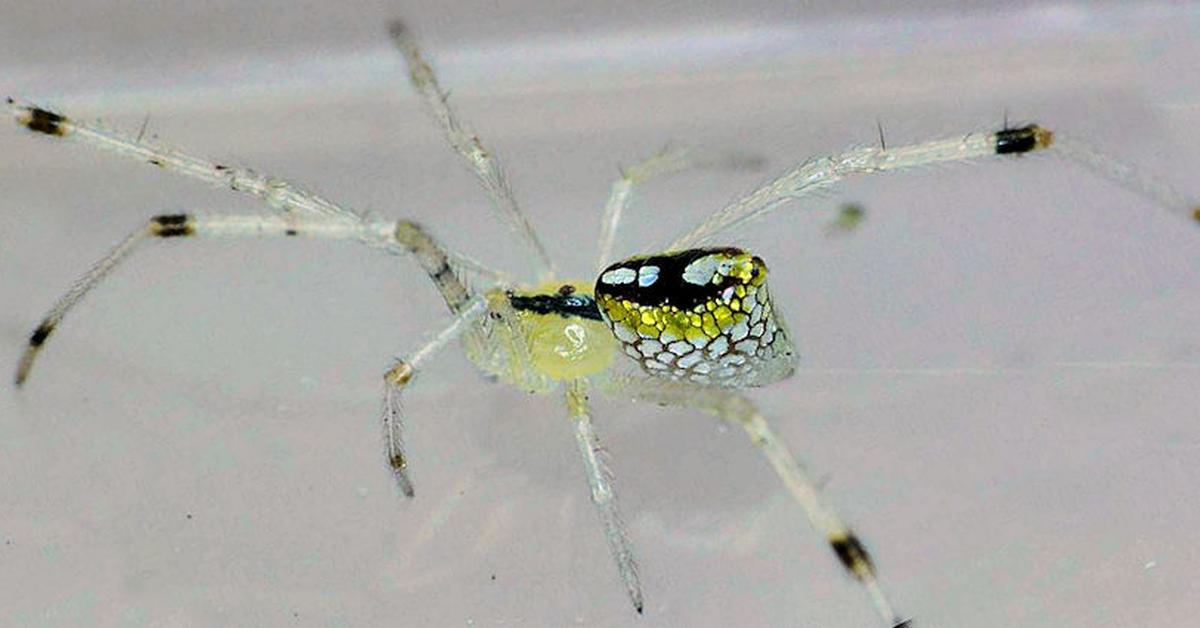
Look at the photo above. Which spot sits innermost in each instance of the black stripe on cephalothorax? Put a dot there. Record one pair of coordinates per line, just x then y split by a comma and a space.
565, 305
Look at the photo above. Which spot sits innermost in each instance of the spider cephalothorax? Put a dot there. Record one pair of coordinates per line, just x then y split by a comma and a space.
536, 337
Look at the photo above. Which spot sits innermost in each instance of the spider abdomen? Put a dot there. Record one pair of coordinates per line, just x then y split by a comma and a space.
700, 315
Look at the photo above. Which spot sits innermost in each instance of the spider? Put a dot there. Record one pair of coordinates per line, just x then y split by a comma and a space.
697, 318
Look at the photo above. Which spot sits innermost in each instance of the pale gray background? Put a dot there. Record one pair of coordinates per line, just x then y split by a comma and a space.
1001, 366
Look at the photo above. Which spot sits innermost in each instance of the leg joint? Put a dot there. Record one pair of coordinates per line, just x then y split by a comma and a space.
39, 336
1023, 140
399, 375
172, 225
411, 235
40, 120
853, 555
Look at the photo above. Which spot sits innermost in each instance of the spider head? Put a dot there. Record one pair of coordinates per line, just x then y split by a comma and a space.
701, 315
562, 334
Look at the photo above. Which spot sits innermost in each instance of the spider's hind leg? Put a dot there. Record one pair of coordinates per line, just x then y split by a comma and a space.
663, 163
737, 409
822, 173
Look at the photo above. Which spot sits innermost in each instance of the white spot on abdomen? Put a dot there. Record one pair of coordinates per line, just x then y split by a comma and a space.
647, 275
618, 276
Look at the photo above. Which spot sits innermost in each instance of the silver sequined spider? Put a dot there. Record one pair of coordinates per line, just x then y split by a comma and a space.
697, 319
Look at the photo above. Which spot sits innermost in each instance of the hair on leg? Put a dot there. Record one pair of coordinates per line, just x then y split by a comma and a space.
603, 498
398, 377
468, 145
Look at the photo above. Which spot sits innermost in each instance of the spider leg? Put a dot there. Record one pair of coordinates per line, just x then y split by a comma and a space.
663, 163
1127, 177
401, 374
821, 173
603, 497
401, 237
442, 266
279, 195
737, 409
468, 145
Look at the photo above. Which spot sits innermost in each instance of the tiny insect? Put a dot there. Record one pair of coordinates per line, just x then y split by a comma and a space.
850, 217
693, 325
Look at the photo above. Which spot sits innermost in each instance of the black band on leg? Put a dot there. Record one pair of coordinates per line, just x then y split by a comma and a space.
172, 225
853, 555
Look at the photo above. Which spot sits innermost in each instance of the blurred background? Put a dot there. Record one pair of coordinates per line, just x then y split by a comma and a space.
998, 366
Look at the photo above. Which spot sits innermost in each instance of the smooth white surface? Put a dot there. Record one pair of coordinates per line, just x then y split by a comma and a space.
1001, 364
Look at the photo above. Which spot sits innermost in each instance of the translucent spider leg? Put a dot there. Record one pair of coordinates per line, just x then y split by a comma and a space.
603, 497
398, 237
737, 409
398, 377
436, 262
277, 194
467, 144
664, 163
824, 172
1127, 177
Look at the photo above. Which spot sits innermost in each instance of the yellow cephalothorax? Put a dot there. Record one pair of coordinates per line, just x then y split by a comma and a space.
551, 332
702, 315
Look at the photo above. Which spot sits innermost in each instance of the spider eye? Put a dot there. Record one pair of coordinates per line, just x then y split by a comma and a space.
702, 314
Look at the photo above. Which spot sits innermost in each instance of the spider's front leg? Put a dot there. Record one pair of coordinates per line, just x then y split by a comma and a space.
182, 226
298, 213
281, 196
401, 374
468, 145
402, 237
